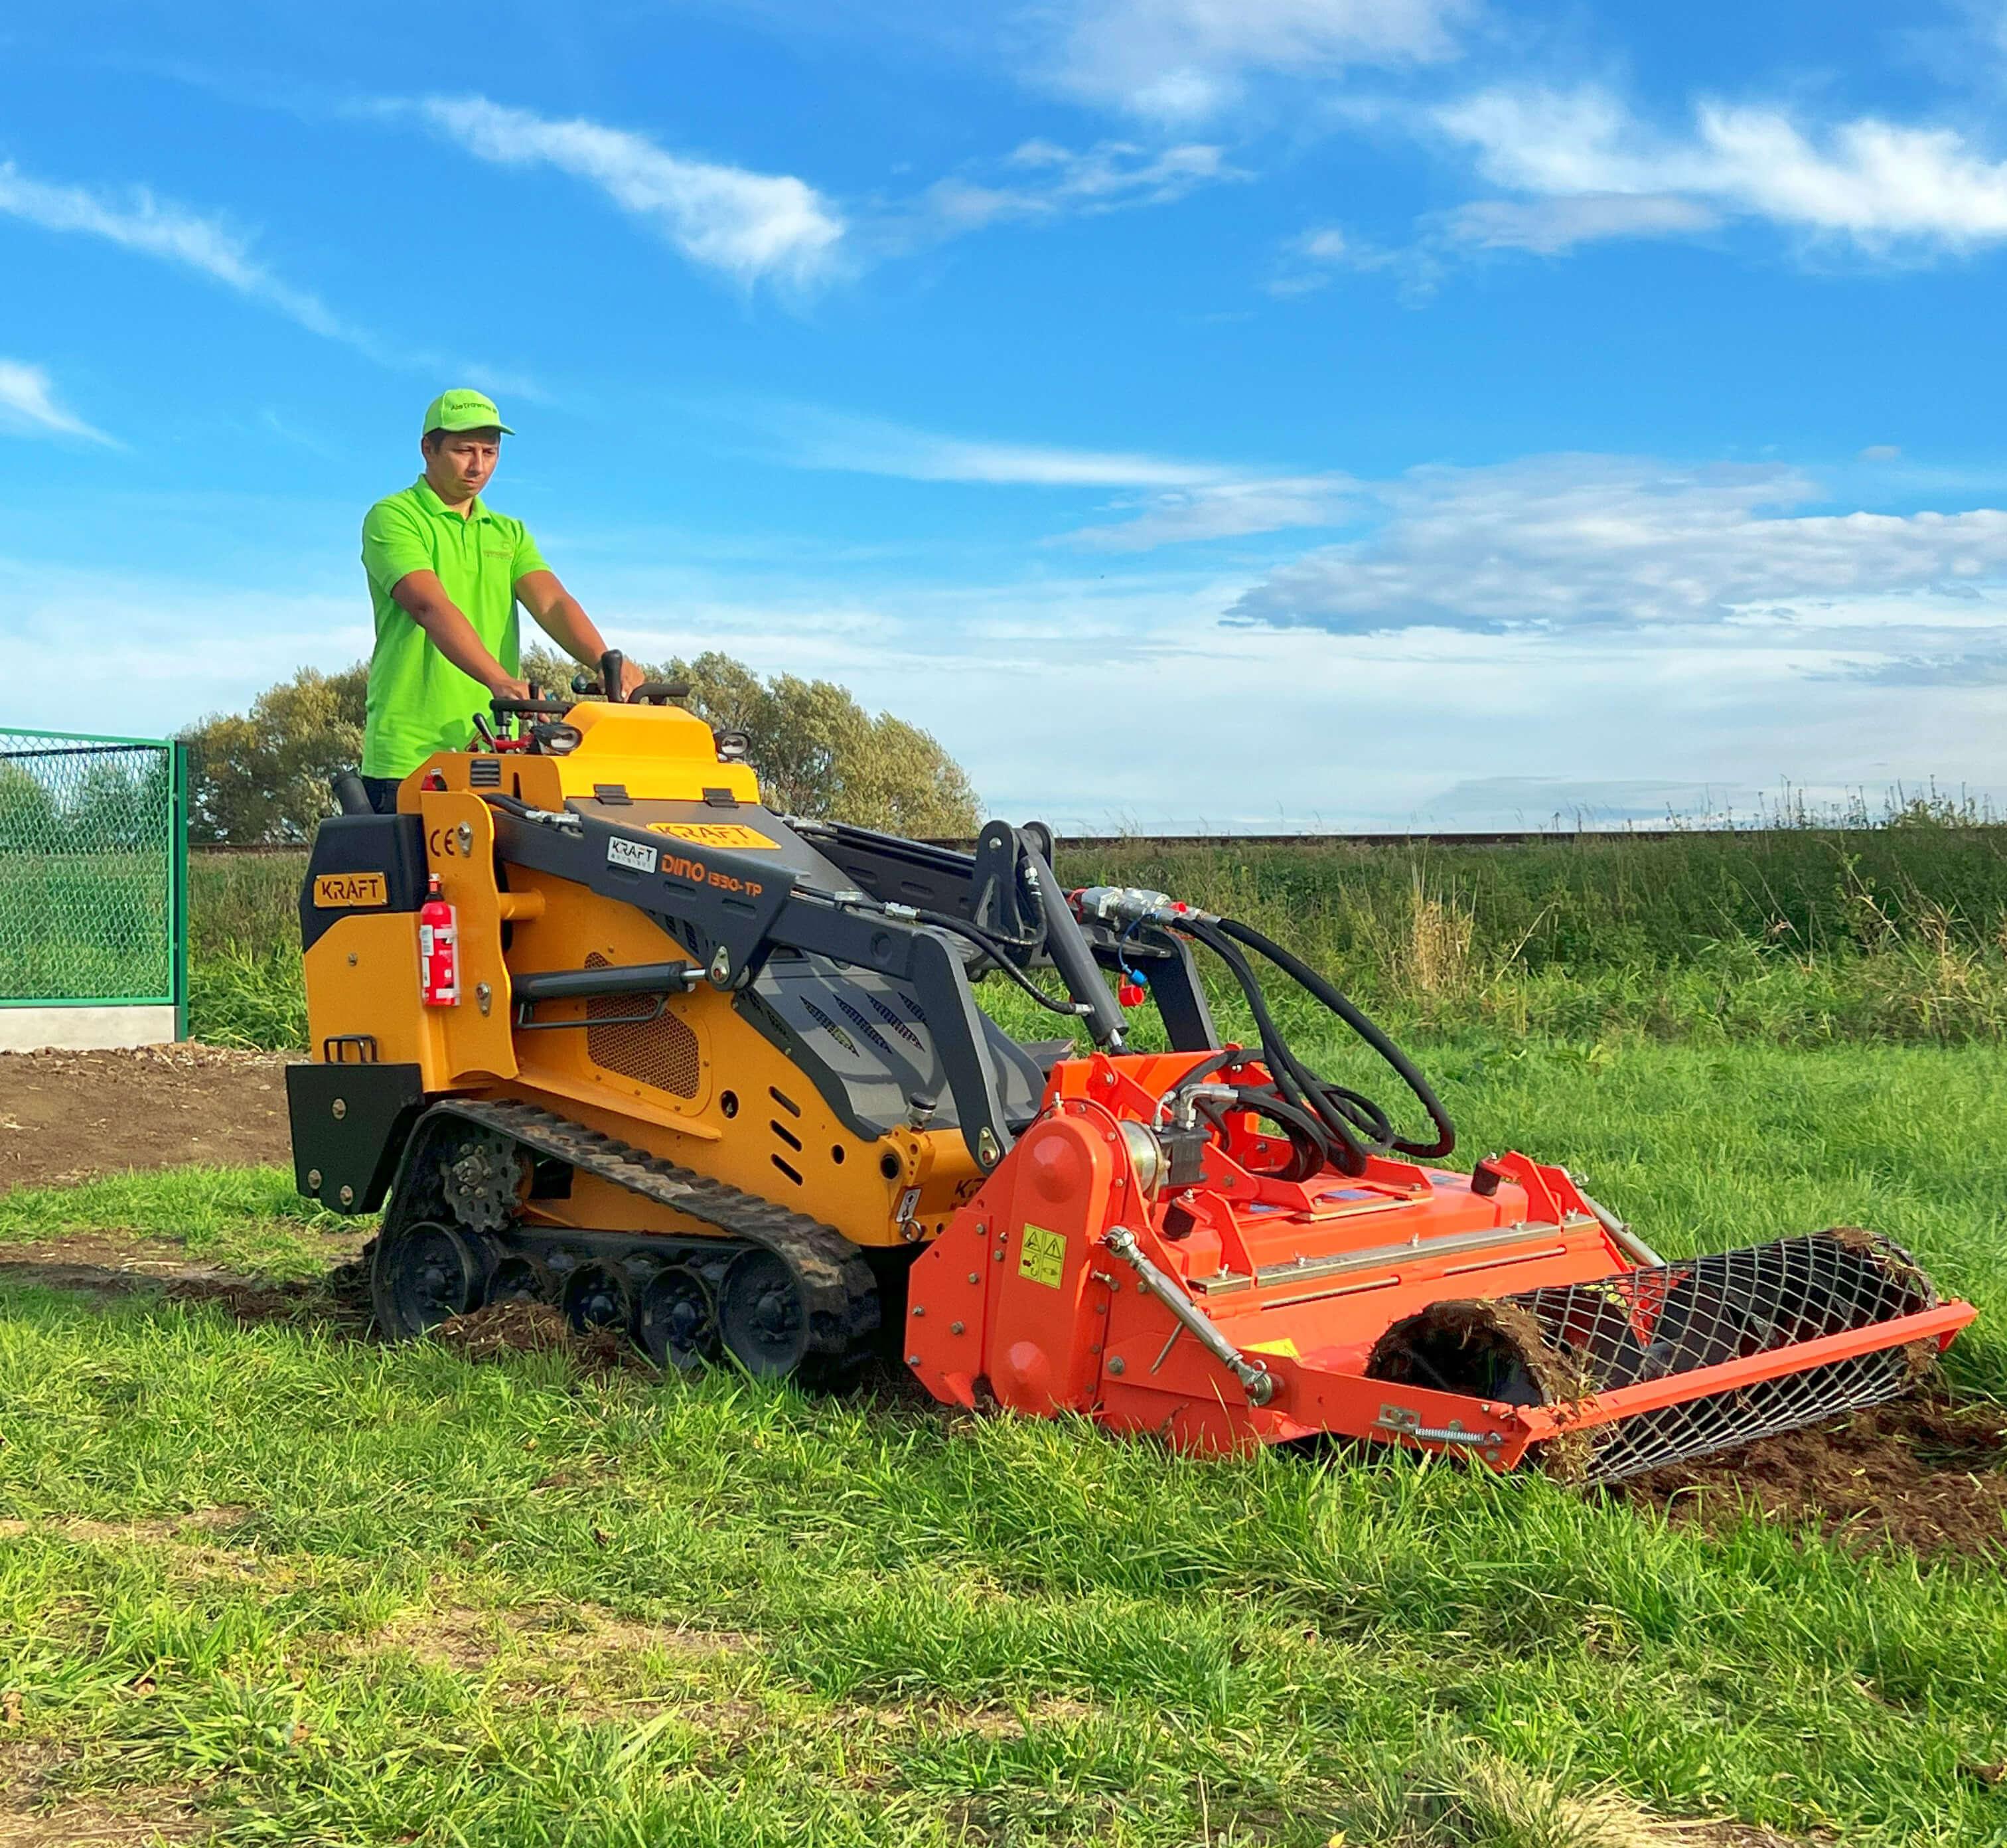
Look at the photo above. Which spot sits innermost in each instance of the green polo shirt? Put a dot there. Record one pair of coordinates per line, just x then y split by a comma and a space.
419, 702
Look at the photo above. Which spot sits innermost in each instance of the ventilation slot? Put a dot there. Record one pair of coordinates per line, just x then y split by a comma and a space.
787, 1136
786, 1103
865, 1027
485, 773
660, 1052
792, 1174
831, 1028
893, 1021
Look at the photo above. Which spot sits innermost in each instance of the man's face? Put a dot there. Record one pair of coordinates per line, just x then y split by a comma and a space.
458, 463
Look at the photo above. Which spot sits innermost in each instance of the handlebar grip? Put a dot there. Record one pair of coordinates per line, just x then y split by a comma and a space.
610, 665
350, 793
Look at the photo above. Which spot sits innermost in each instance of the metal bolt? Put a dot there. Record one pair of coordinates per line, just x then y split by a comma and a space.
313, 1179
975, 1277
1000, 1254
720, 966
919, 1309
954, 1328
912, 1360
347, 1196
483, 996
1118, 1365
340, 1108
352, 959
987, 1150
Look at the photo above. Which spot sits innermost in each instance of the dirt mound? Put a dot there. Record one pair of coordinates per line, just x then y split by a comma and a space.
1923, 1473
71, 1117
528, 1328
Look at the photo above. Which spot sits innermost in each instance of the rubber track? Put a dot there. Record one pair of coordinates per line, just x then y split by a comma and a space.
836, 1283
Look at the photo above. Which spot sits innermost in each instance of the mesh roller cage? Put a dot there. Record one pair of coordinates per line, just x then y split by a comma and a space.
1655, 1323
93, 872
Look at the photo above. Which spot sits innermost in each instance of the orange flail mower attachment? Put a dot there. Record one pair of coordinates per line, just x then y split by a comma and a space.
1172, 1281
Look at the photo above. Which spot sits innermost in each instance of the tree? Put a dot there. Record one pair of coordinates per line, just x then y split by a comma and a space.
263, 776
30, 822
818, 752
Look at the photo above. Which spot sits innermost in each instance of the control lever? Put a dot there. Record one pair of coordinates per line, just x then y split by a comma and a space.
610, 665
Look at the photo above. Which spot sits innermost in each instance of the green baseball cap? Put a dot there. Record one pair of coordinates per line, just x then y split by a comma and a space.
463, 410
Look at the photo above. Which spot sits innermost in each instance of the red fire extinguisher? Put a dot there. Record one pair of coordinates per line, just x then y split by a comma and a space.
439, 949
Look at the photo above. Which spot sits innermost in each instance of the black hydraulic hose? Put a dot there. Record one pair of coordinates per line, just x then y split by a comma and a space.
1367, 1030
993, 947
1322, 1121
1346, 1146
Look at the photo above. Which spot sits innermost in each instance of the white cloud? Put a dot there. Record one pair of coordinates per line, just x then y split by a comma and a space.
812, 438
210, 246
1548, 227
1578, 543
1185, 60
1176, 501
1044, 180
1225, 510
159, 228
1880, 185
1881, 451
1010, 667
28, 403
754, 227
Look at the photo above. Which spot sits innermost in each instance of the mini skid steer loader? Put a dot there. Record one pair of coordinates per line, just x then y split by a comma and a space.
604, 1032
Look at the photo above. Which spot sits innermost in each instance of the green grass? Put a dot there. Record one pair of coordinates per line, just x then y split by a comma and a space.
509, 1603
247, 1220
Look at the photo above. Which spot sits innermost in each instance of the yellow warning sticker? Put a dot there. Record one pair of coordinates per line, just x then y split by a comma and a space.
714, 834
1043, 1258
349, 891
1285, 1347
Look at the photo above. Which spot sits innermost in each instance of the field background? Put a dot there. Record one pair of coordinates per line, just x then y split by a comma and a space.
1794, 935
273, 1582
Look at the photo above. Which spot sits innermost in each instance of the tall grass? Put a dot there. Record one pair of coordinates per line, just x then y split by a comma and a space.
1791, 936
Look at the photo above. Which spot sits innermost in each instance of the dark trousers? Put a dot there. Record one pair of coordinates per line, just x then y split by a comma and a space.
382, 793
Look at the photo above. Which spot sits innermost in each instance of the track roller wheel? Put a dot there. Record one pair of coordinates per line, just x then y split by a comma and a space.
678, 1323
421, 1275
519, 1278
761, 1317
597, 1297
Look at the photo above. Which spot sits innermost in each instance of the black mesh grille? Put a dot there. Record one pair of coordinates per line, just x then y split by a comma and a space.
1721, 1421
663, 1052
1674, 1319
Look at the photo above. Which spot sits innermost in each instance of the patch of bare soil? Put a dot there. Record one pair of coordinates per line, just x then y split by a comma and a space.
166, 1527
103, 1265
35, 1813
1923, 1473
544, 1637
72, 1116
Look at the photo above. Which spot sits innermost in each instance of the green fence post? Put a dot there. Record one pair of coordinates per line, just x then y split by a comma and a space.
179, 784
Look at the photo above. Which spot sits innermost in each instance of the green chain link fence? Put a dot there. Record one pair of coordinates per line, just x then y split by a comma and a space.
93, 872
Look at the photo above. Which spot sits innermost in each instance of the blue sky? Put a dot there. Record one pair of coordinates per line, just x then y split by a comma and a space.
1205, 413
